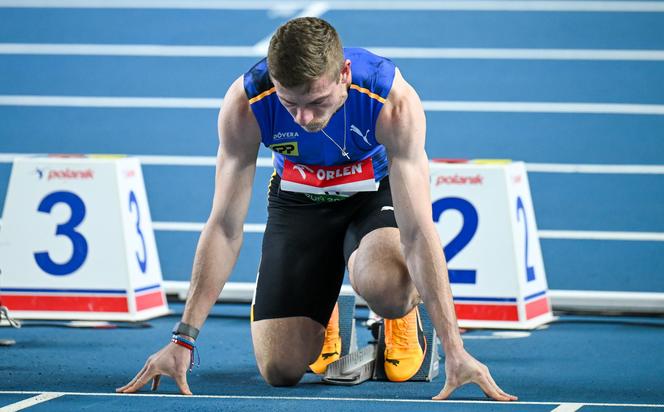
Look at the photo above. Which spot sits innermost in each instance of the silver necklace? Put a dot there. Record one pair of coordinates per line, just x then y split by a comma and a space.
344, 153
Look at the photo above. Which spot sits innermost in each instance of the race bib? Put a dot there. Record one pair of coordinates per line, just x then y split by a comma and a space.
342, 180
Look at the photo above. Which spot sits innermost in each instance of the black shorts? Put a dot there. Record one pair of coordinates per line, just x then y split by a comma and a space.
306, 247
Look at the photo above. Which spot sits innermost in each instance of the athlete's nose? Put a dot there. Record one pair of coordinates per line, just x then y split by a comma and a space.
303, 116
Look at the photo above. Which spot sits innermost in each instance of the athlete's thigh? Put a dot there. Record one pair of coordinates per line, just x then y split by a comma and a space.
374, 227
302, 262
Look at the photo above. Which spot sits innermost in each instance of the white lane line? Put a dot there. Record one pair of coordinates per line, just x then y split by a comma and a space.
315, 9
176, 160
197, 227
506, 5
260, 50
129, 50
431, 106
543, 107
568, 407
594, 169
181, 160
517, 54
316, 398
543, 234
601, 235
116, 102
27, 403
625, 302
497, 335
543, 6
266, 162
254, 227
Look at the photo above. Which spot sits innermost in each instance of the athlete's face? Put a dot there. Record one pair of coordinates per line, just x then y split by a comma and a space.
312, 107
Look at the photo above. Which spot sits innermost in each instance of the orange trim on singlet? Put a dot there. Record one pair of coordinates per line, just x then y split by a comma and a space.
260, 96
352, 86
368, 93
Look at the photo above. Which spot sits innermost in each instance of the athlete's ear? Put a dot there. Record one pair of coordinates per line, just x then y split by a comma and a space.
346, 76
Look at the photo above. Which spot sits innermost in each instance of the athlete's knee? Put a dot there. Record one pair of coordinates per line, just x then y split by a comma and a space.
391, 295
279, 373
283, 348
395, 307
380, 273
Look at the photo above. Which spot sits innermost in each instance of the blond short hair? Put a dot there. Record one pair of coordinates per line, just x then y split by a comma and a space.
303, 50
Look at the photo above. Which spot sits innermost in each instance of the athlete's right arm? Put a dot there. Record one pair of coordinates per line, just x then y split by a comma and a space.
220, 241
221, 238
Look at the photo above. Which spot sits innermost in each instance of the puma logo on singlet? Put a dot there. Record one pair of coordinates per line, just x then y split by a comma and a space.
355, 129
394, 362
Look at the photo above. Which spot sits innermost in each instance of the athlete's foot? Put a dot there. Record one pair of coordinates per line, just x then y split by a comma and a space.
405, 346
331, 345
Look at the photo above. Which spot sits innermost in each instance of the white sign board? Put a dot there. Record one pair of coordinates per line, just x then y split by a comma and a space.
484, 215
77, 242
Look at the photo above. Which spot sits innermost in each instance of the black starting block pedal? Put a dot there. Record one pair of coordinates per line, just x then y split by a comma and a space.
359, 366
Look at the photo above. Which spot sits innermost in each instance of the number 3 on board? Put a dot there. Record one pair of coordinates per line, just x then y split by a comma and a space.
67, 229
133, 203
78, 241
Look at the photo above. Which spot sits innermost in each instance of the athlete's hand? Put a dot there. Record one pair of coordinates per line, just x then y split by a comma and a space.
461, 368
172, 360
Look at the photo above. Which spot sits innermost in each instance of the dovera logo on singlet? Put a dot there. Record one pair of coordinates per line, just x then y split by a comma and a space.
348, 178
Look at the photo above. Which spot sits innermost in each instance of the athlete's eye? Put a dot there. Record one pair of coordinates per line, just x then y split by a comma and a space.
287, 103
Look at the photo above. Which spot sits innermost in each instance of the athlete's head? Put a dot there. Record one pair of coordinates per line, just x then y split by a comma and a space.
308, 68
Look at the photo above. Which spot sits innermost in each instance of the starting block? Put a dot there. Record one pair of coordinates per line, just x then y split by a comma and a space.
347, 323
357, 366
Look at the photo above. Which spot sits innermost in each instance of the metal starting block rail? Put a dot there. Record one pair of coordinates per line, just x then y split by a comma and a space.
360, 365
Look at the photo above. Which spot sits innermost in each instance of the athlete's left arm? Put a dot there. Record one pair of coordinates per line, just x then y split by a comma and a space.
401, 128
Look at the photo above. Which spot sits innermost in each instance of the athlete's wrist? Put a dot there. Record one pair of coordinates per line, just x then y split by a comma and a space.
185, 329
180, 340
187, 337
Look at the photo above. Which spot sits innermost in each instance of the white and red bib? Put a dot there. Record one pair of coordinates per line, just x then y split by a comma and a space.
345, 179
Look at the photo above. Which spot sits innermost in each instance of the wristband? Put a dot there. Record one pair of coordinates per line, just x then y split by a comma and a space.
179, 340
182, 328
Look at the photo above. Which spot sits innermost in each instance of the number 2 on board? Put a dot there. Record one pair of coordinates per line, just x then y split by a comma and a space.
465, 235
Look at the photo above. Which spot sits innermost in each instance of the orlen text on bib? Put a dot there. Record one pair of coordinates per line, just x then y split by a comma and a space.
342, 179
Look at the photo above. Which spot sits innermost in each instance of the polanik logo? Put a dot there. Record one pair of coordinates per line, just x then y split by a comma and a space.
460, 180
65, 174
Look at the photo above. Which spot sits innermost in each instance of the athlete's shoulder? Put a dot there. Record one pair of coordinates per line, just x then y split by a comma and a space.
257, 80
236, 120
402, 121
370, 71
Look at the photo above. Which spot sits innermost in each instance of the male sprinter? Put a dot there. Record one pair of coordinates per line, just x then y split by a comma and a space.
347, 133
